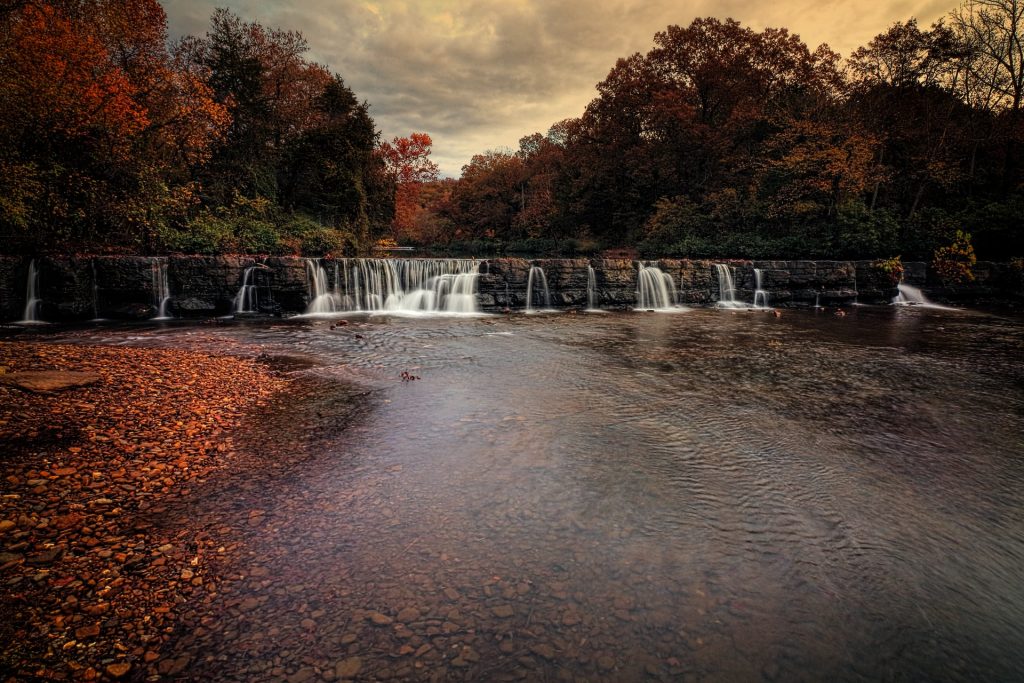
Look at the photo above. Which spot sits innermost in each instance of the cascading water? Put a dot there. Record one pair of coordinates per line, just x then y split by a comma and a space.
320, 299
247, 299
536, 272
912, 296
654, 288
591, 289
401, 286
32, 300
161, 289
760, 295
856, 292
726, 288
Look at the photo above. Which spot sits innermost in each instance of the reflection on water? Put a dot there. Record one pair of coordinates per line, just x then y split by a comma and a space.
716, 495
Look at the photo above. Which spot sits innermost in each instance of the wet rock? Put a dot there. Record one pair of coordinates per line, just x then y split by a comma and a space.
378, 619
49, 381
173, 667
407, 615
543, 650
119, 669
6, 558
348, 668
249, 604
502, 611
46, 557
303, 675
90, 631
605, 663
6, 525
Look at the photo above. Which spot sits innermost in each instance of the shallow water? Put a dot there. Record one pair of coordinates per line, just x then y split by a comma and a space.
713, 495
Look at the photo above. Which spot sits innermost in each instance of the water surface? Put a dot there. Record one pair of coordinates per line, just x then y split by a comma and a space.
709, 496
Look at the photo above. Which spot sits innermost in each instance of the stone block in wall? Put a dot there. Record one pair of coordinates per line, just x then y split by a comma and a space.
66, 289
291, 290
13, 282
206, 285
915, 273
124, 286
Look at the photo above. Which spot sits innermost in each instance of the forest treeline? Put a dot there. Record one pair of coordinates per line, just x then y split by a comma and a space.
114, 139
720, 141
724, 141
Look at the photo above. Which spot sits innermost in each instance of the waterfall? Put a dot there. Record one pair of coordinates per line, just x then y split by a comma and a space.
760, 295
912, 296
856, 291
654, 288
247, 299
817, 300
32, 299
401, 286
591, 289
726, 288
537, 272
161, 289
320, 300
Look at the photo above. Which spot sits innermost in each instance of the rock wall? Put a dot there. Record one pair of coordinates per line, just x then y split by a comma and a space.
124, 287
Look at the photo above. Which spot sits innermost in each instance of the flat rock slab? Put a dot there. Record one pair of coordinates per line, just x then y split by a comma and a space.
47, 381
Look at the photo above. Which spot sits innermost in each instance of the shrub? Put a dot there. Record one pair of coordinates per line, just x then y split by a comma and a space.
892, 268
954, 262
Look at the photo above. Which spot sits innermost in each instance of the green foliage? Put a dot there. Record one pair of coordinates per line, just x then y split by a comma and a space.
255, 226
954, 262
859, 233
892, 268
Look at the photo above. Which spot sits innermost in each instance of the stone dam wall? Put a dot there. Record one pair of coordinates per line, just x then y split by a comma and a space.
126, 287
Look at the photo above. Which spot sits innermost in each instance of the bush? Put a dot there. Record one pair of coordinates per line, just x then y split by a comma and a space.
892, 268
954, 262
859, 233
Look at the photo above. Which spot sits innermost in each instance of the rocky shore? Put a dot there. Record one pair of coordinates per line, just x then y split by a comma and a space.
95, 564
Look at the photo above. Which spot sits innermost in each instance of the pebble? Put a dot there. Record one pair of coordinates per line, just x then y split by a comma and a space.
407, 615
348, 668
378, 619
119, 669
543, 650
302, 676
503, 611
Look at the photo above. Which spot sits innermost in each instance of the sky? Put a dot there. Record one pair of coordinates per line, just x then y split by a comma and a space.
481, 74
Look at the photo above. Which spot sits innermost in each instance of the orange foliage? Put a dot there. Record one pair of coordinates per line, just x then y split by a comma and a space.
407, 161
60, 78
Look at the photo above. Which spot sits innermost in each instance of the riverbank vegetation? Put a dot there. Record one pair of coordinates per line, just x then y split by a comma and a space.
721, 141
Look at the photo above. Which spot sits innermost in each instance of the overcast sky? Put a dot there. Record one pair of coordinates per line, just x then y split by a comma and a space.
481, 74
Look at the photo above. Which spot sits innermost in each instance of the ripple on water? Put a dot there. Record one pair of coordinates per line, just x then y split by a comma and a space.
729, 497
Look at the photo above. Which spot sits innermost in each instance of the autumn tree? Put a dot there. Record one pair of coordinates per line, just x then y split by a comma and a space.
407, 163
99, 124
299, 137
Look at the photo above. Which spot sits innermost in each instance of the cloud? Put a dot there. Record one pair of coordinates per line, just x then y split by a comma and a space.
480, 74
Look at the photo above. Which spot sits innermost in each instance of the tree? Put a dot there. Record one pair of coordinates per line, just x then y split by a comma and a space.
99, 124
408, 165
993, 32
903, 89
